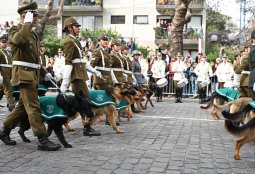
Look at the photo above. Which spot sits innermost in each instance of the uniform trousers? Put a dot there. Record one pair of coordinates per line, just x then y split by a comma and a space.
8, 90
245, 91
28, 105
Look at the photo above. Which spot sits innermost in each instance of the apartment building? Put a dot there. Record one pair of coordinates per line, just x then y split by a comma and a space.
137, 19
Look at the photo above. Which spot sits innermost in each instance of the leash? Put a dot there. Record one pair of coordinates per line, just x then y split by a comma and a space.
54, 84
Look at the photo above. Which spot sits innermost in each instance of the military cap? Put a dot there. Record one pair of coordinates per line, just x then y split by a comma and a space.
102, 37
4, 37
115, 42
124, 47
224, 56
253, 34
178, 54
159, 54
70, 21
136, 52
28, 7
42, 44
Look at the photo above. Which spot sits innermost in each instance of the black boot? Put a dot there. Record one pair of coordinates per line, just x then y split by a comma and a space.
180, 95
134, 110
160, 94
5, 136
200, 96
89, 131
45, 144
176, 95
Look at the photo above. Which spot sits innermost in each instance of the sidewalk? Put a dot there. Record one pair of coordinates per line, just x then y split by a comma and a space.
170, 138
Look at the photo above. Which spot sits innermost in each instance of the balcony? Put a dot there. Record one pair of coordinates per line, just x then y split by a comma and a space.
74, 5
189, 37
163, 5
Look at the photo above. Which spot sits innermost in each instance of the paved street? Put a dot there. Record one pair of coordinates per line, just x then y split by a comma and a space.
170, 138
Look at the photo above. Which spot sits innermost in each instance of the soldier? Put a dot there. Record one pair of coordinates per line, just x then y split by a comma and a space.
75, 69
101, 62
25, 74
224, 71
243, 68
158, 70
127, 65
43, 57
252, 64
203, 71
117, 62
178, 69
5, 69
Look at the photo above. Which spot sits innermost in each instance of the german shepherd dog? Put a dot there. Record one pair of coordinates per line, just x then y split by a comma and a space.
245, 132
242, 116
116, 93
130, 99
72, 105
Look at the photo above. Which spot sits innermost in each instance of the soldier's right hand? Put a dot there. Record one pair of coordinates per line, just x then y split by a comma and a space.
28, 17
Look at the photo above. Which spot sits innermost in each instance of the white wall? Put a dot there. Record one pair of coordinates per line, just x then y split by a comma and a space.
143, 33
8, 11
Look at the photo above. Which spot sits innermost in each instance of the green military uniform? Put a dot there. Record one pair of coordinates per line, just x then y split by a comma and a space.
101, 61
73, 56
5, 69
244, 69
128, 69
118, 64
25, 74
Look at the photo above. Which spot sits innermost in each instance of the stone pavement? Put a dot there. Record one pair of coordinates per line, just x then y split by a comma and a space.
170, 138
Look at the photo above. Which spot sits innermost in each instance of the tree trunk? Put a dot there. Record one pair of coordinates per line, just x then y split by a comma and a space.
48, 17
182, 16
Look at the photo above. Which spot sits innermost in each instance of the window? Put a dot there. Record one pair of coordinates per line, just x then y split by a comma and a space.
141, 19
117, 19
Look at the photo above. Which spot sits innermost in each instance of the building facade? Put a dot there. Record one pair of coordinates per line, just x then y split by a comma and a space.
137, 19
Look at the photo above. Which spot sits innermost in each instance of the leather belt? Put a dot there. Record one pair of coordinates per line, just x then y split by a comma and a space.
117, 69
128, 72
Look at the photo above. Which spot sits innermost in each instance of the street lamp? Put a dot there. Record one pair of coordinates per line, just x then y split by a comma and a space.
223, 40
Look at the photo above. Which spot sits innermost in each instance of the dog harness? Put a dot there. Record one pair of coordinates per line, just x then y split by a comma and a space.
100, 98
229, 93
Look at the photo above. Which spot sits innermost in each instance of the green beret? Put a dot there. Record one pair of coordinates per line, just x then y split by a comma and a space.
124, 47
29, 7
102, 36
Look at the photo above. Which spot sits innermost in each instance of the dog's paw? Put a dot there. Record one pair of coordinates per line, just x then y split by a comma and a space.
237, 157
68, 146
119, 131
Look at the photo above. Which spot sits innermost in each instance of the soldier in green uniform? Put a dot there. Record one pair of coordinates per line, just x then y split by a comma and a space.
101, 61
243, 68
5, 69
252, 63
117, 62
43, 57
25, 74
128, 64
75, 70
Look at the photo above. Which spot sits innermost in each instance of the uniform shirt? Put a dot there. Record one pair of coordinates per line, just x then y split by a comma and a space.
118, 62
203, 71
72, 50
25, 47
5, 58
158, 68
101, 59
224, 71
136, 69
178, 68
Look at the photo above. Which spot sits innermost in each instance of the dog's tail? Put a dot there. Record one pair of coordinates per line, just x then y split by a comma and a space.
237, 116
209, 102
239, 131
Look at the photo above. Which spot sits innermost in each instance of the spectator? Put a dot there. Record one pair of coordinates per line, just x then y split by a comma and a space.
213, 78
83, 41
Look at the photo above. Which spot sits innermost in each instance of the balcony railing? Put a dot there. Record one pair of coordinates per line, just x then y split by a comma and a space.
168, 4
89, 3
189, 36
